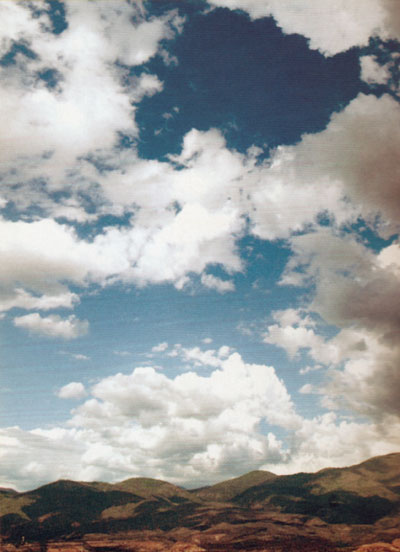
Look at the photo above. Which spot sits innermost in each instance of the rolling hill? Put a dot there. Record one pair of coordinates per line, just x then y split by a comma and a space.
227, 490
331, 509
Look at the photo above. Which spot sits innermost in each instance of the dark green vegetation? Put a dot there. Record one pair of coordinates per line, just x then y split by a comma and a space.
331, 502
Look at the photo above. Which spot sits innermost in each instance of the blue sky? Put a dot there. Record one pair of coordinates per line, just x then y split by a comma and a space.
199, 256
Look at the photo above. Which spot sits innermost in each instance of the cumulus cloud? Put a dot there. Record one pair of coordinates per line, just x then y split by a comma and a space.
191, 216
45, 121
59, 451
194, 238
160, 348
188, 213
20, 298
73, 390
354, 287
213, 282
372, 72
303, 335
52, 325
148, 395
356, 168
188, 429
37, 259
199, 357
308, 369
330, 27
356, 290
293, 338
327, 440
40, 257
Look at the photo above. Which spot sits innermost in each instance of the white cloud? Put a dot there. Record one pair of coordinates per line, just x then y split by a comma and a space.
73, 390
190, 429
330, 27
307, 389
358, 291
160, 348
190, 217
37, 259
79, 356
45, 138
293, 334
213, 282
367, 161
22, 299
328, 441
308, 369
194, 238
225, 351
187, 429
144, 85
352, 285
59, 451
191, 424
372, 72
52, 325
291, 317
292, 338
198, 357
389, 258
356, 169
166, 241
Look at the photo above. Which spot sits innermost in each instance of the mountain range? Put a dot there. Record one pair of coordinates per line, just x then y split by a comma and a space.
331, 510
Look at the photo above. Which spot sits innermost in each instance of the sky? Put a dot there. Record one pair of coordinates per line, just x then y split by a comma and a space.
199, 253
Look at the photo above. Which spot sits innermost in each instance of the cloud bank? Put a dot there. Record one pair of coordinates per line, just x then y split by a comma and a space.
189, 428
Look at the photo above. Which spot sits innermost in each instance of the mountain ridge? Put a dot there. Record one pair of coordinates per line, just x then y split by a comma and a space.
351, 503
373, 460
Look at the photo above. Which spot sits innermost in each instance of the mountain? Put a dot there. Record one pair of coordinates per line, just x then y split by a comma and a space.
227, 490
359, 494
376, 477
147, 488
70, 507
335, 508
